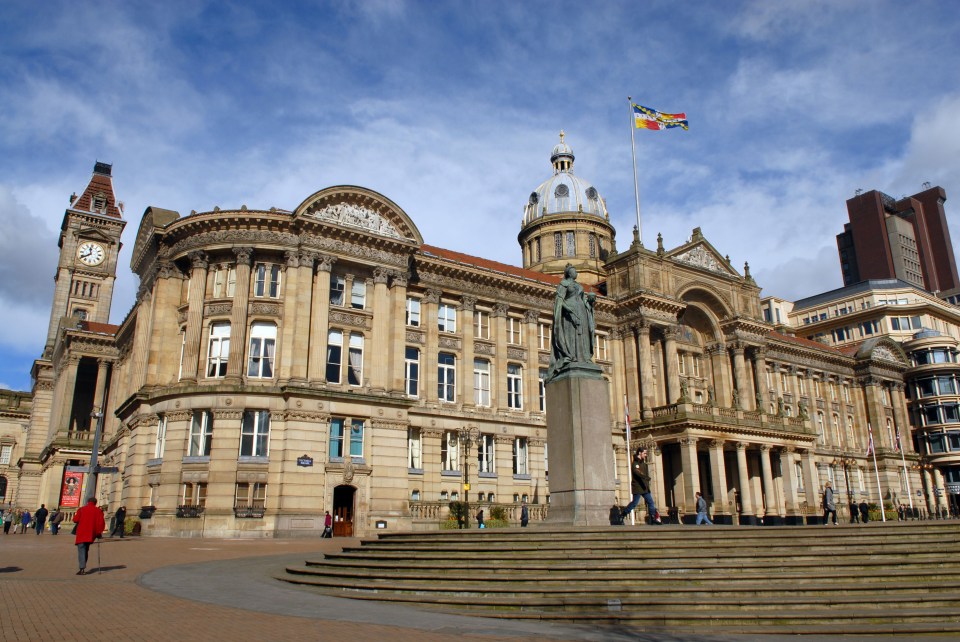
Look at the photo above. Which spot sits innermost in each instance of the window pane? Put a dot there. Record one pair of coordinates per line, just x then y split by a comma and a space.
336, 438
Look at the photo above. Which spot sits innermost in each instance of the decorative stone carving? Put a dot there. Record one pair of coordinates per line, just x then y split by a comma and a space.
356, 216
244, 255
468, 303
531, 316
325, 263
217, 309
380, 275
432, 296
699, 257
500, 310
518, 354
400, 279
450, 343
262, 308
413, 336
885, 353
222, 414
484, 348
198, 260
343, 317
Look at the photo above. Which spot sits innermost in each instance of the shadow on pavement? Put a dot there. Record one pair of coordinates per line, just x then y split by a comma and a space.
10, 569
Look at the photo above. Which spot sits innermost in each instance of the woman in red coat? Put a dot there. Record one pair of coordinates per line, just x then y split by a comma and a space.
90, 527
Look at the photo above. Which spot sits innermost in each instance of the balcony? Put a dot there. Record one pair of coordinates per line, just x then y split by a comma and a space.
679, 413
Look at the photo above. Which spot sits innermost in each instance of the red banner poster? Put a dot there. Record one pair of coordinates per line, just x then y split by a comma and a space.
71, 491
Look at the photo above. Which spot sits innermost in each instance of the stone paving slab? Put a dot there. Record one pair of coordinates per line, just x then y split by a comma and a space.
201, 589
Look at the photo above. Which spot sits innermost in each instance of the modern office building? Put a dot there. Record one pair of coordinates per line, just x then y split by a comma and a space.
279, 363
906, 239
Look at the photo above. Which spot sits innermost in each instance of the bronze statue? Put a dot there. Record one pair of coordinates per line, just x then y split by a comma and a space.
573, 324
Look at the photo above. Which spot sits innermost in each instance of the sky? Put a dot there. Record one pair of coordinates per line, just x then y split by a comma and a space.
451, 109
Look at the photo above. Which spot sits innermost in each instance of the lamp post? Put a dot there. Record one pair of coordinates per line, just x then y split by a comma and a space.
97, 416
846, 463
467, 437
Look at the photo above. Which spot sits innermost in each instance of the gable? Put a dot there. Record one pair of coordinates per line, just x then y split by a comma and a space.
701, 255
360, 209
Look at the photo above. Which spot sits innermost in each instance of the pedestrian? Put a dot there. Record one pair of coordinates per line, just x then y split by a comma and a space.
480, 519
829, 507
854, 513
40, 518
864, 512
7, 521
702, 510
524, 515
56, 517
119, 521
25, 519
327, 526
90, 527
640, 487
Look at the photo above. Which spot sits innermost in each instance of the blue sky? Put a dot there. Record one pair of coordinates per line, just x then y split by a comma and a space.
451, 109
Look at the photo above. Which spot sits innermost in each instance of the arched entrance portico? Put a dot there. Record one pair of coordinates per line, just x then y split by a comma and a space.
343, 510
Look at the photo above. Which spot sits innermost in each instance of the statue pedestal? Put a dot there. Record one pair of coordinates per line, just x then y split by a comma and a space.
580, 451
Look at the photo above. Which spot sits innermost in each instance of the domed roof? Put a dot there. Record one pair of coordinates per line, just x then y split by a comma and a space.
564, 191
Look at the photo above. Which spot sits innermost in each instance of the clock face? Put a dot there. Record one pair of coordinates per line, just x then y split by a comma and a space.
90, 253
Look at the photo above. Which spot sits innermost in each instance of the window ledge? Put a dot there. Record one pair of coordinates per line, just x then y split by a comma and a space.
415, 471
487, 475
154, 462
450, 473
202, 459
522, 477
246, 459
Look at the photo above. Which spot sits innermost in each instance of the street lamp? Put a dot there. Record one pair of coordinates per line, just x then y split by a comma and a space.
846, 463
467, 437
97, 416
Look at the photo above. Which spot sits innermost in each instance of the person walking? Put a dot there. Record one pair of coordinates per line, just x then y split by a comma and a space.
640, 486
327, 526
56, 517
829, 506
702, 511
7, 521
119, 522
40, 518
865, 512
25, 519
524, 515
90, 526
480, 519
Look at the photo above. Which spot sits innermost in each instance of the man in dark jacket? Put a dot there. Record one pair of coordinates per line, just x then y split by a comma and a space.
118, 524
40, 518
640, 486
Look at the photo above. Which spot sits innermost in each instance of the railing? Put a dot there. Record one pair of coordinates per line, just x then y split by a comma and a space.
440, 510
248, 512
189, 511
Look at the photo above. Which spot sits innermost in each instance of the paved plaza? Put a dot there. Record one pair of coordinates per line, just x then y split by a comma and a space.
191, 589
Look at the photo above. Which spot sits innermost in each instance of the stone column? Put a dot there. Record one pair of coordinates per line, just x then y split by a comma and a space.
760, 379
63, 406
398, 331
531, 381
769, 491
670, 356
428, 376
718, 472
647, 399
811, 486
301, 334
740, 374
224, 451
746, 495
659, 483
498, 370
283, 366
788, 468
940, 491
928, 490
380, 334
876, 417
723, 390
319, 319
691, 473
238, 314
900, 417
192, 348
468, 306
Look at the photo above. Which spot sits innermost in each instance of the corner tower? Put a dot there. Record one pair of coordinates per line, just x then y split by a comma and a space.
89, 244
565, 221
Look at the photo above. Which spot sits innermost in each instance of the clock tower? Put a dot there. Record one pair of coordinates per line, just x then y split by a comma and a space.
89, 246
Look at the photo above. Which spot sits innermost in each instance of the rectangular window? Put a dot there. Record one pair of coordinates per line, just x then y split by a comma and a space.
334, 355
336, 438
446, 377
5, 454
520, 456
218, 350
801, 385
266, 281
592, 246
413, 312
696, 363
250, 495
514, 332
255, 434
355, 360
537, 248
681, 364
224, 281
356, 439
481, 382
411, 375
450, 451
358, 294
557, 244
183, 350
161, 437
263, 346
414, 449
337, 285
485, 454
481, 324
543, 335
447, 318
542, 388
201, 434
600, 349
514, 386
195, 494
571, 244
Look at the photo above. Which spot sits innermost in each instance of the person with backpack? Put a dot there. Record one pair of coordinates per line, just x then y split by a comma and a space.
640, 486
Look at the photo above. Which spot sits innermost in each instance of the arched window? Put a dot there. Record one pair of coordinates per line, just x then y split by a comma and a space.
836, 427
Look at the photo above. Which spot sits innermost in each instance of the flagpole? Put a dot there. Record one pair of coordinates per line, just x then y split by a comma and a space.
636, 185
873, 449
906, 473
626, 413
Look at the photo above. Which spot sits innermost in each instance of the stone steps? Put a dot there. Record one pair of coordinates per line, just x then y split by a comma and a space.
890, 579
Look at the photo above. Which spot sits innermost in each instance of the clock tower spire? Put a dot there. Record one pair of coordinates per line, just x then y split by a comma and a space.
89, 246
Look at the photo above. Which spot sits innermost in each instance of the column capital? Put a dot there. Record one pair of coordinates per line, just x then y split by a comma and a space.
307, 258
293, 258
468, 303
399, 279
671, 332
765, 448
325, 262
380, 275
531, 316
737, 347
244, 255
431, 296
500, 310
199, 260
741, 446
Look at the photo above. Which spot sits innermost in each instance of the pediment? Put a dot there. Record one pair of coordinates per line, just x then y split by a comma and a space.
700, 254
154, 218
94, 234
360, 209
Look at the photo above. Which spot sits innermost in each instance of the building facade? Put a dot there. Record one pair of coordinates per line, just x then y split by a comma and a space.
279, 363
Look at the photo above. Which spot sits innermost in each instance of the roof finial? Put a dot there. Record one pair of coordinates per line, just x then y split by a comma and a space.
561, 136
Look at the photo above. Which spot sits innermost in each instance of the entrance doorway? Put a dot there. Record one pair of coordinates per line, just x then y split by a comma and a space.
343, 498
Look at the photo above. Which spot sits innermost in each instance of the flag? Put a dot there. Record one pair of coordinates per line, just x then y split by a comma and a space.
896, 444
870, 440
646, 118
